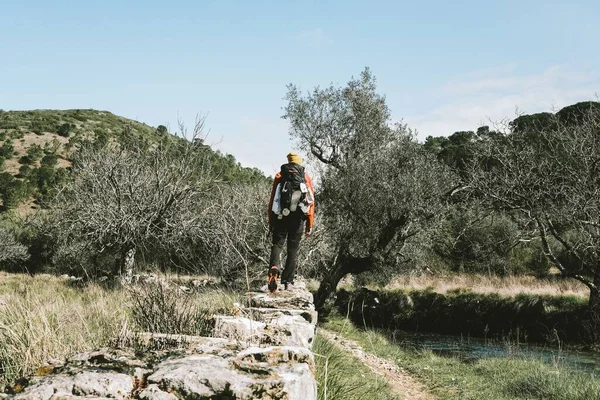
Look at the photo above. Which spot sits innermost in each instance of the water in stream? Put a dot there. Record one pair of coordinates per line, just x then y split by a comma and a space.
471, 349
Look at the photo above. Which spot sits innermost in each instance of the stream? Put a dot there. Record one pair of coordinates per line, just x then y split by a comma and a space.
469, 349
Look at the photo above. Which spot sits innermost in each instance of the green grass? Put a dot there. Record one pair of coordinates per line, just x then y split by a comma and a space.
494, 379
343, 377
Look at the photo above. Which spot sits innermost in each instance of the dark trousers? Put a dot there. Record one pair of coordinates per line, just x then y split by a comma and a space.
290, 228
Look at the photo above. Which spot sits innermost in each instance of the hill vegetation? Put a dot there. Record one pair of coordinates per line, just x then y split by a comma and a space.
37, 147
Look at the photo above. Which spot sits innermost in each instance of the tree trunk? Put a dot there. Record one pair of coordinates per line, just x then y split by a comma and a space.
594, 308
127, 261
345, 264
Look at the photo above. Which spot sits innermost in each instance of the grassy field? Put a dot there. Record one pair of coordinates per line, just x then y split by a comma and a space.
493, 379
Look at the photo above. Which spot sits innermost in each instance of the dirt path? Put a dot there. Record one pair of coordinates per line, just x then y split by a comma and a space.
400, 382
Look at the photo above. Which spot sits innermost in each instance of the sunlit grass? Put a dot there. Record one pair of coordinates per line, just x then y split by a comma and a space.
44, 317
504, 286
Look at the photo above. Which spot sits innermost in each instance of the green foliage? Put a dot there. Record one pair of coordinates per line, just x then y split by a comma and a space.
49, 160
162, 130
7, 149
379, 187
12, 253
102, 138
17, 134
13, 191
35, 152
26, 160
24, 171
65, 129
47, 181
477, 241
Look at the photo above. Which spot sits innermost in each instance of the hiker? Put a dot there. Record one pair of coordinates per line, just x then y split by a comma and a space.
291, 213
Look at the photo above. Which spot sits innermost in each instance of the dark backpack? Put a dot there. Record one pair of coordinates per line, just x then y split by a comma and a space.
292, 176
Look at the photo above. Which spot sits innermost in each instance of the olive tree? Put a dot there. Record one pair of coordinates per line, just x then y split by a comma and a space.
378, 186
547, 172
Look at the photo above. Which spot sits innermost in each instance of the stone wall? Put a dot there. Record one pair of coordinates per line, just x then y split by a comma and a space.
262, 352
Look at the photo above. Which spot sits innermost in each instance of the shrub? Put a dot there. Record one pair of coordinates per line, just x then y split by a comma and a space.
6, 150
49, 160
133, 198
17, 133
24, 171
35, 152
39, 236
65, 129
542, 318
161, 307
162, 130
25, 160
48, 180
12, 190
12, 253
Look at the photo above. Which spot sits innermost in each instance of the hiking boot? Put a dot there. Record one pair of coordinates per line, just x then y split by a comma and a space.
272, 279
289, 285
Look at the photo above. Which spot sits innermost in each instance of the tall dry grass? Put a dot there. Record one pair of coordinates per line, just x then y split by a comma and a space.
44, 317
41, 318
504, 286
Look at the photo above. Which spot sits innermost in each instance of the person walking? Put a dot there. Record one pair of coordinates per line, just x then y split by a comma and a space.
291, 214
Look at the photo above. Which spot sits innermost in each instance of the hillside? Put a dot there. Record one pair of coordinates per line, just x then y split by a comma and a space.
36, 147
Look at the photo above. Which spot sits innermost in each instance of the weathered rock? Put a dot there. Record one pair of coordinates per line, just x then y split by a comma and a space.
105, 384
283, 330
239, 329
269, 314
46, 388
255, 373
153, 392
83, 384
295, 299
170, 341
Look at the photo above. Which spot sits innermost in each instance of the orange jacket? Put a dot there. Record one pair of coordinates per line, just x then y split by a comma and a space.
311, 211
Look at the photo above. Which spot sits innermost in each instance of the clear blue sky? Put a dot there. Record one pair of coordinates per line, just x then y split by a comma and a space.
444, 65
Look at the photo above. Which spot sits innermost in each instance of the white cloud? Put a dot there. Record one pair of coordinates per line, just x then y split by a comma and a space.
484, 98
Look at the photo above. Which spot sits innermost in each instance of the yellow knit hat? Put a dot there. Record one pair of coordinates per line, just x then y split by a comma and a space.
294, 158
